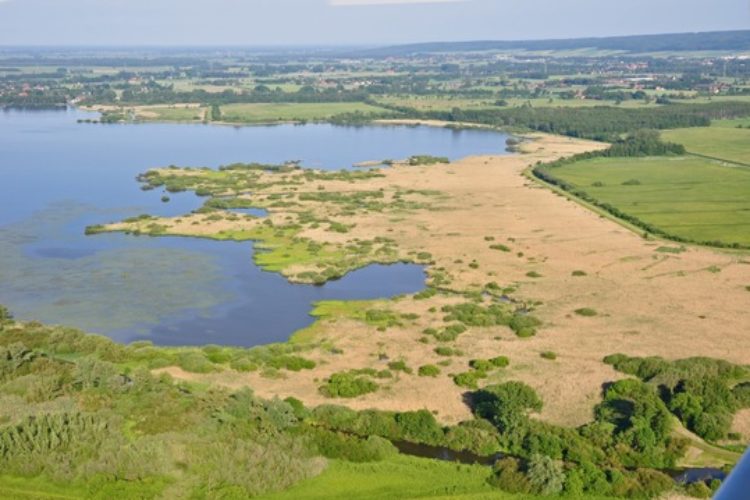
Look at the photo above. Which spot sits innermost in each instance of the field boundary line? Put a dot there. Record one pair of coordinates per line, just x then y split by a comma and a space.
638, 231
723, 160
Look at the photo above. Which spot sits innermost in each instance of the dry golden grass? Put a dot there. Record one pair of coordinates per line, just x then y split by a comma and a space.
648, 303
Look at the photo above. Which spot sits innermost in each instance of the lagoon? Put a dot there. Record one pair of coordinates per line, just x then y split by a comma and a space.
60, 176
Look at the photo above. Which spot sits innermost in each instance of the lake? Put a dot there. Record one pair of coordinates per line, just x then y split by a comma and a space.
59, 176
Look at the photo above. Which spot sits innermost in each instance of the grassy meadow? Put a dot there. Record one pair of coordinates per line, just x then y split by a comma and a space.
693, 198
279, 112
172, 113
442, 103
723, 140
398, 477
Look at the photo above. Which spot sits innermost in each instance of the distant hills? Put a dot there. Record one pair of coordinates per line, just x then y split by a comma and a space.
677, 42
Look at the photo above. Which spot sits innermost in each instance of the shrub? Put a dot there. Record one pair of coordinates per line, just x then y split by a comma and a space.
216, 354
549, 355
500, 247
500, 362
469, 379
450, 332
381, 317
472, 314
291, 363
533, 274
488, 365
243, 365
195, 362
524, 325
351, 448
586, 311
545, 475
697, 390
698, 490
426, 160
481, 365
511, 398
5, 315
399, 366
478, 436
507, 476
347, 385
425, 294
741, 393
429, 371
713, 426
420, 427
447, 351
578, 273
574, 486
652, 483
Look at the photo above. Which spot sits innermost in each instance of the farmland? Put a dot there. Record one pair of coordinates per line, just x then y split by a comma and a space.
283, 112
723, 141
693, 198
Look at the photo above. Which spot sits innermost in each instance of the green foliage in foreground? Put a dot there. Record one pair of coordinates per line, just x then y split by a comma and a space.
704, 393
397, 478
82, 416
78, 419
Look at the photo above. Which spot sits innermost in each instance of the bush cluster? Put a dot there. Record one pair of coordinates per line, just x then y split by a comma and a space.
702, 392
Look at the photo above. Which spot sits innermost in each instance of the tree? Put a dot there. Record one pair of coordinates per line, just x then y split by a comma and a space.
508, 477
546, 475
5, 315
215, 112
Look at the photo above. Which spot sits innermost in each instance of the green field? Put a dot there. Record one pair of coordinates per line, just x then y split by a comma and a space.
175, 113
273, 112
23, 488
694, 198
398, 477
435, 103
722, 140
441, 103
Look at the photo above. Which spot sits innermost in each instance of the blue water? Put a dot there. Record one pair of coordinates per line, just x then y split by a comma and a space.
255, 212
58, 176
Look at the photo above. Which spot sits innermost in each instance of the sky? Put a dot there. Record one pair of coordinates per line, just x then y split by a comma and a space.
350, 22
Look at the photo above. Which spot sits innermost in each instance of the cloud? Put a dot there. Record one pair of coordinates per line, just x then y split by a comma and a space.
354, 3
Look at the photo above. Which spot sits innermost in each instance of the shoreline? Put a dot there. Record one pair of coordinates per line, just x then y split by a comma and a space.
495, 198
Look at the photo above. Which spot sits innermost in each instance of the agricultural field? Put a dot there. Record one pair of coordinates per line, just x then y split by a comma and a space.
280, 112
435, 103
723, 140
693, 198
173, 113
